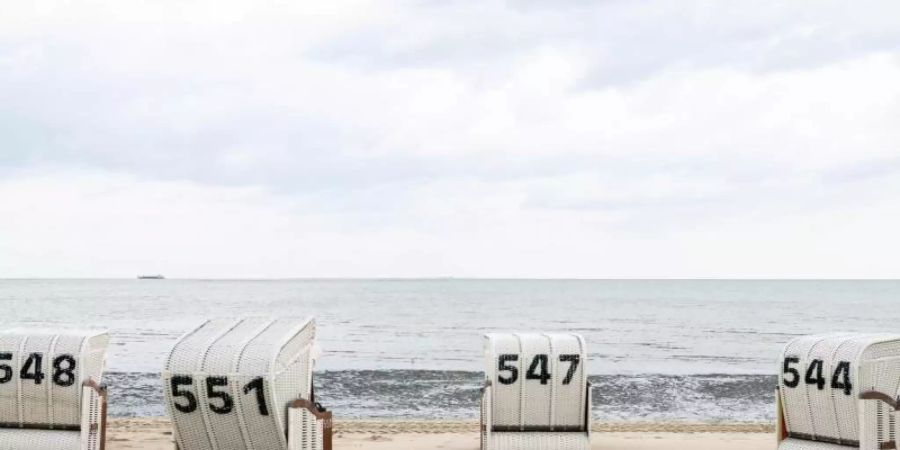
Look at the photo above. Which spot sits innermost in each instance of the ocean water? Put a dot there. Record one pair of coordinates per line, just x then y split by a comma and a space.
659, 350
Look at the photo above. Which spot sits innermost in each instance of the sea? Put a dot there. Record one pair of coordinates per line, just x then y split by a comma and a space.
659, 350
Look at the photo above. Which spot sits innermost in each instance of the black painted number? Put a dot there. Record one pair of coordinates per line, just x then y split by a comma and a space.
221, 401
818, 380
257, 385
842, 382
5, 368
538, 368
64, 370
543, 376
815, 376
513, 370
794, 373
191, 400
573, 367
33, 368
227, 403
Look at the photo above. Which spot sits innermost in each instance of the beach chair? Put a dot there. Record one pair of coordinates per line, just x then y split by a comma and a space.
837, 391
246, 384
536, 394
51, 396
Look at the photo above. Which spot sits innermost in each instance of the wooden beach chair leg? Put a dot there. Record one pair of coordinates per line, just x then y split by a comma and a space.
587, 410
780, 428
485, 415
93, 423
104, 402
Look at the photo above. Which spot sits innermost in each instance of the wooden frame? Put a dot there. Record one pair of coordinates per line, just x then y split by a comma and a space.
324, 416
102, 395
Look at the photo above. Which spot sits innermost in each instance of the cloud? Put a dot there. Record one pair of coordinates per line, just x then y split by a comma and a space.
446, 138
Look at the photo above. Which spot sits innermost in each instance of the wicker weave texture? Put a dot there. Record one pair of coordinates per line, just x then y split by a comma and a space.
538, 380
821, 378
486, 416
801, 444
536, 392
880, 372
44, 370
540, 441
304, 432
228, 382
28, 439
92, 418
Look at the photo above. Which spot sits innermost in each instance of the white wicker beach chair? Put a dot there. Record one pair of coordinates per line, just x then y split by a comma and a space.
51, 396
536, 394
235, 384
837, 391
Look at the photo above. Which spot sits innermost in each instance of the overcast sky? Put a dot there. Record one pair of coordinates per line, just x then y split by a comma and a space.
450, 138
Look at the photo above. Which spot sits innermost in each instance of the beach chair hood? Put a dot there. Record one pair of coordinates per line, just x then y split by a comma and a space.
837, 391
230, 383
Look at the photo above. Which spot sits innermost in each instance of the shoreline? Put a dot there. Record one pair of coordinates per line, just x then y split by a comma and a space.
450, 426
155, 433
388, 426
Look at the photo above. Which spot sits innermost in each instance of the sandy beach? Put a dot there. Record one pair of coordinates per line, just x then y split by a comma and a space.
155, 433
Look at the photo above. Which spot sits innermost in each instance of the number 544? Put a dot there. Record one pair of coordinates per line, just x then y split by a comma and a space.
840, 379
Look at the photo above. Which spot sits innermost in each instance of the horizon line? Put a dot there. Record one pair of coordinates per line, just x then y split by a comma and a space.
448, 278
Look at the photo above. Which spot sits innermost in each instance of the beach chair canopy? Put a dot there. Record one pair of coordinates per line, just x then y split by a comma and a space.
536, 392
50, 388
837, 391
245, 384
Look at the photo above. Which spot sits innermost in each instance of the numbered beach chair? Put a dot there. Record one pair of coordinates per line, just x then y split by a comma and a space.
51, 392
246, 384
536, 393
837, 391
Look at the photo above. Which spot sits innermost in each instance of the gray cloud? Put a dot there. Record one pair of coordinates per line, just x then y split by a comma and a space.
625, 42
333, 117
863, 171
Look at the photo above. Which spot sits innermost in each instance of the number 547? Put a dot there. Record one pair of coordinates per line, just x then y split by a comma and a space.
537, 370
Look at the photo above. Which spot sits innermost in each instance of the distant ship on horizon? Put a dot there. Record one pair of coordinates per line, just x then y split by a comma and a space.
151, 277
